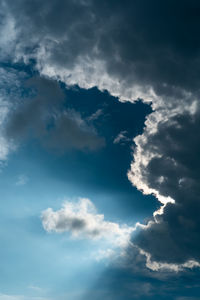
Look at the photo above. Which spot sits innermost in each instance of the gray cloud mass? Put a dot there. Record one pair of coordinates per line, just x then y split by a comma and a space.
44, 117
137, 49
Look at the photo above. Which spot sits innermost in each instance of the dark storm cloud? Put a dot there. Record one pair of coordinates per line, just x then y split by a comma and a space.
132, 280
140, 42
174, 172
137, 49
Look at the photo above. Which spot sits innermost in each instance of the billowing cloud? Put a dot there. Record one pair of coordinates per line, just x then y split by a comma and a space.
82, 221
133, 50
166, 164
137, 49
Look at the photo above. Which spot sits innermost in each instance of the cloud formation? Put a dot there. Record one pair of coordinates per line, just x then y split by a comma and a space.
137, 49
82, 221
133, 50
166, 164
42, 115
121, 138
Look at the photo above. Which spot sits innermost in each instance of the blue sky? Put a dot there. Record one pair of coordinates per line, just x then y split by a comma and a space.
99, 150
38, 263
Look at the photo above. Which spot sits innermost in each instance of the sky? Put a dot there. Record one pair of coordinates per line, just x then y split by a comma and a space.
99, 150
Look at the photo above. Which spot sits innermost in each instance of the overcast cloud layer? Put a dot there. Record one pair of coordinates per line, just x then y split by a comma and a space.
138, 49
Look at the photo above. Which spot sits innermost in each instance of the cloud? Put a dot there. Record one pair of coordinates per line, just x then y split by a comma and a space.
43, 116
35, 288
22, 180
32, 112
9, 92
105, 254
82, 221
20, 297
95, 115
121, 138
166, 164
120, 53
134, 50
71, 131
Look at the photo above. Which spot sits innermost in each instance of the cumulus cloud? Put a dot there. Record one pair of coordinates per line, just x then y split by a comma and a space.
166, 164
82, 221
107, 45
137, 49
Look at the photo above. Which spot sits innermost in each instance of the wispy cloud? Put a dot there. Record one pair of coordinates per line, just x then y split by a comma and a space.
21, 297
95, 115
122, 138
22, 180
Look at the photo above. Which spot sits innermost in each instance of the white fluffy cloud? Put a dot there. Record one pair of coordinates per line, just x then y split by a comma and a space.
82, 221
